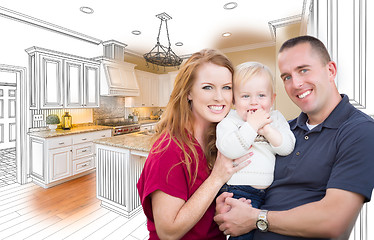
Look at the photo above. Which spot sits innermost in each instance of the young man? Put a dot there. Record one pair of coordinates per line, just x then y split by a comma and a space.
319, 189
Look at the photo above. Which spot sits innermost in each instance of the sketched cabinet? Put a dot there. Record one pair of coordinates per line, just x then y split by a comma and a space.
91, 85
60, 163
59, 80
81, 84
51, 91
54, 160
73, 71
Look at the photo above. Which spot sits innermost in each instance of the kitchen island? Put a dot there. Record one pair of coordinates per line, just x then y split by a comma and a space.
120, 161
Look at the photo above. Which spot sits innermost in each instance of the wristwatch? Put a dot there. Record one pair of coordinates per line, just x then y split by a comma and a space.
262, 222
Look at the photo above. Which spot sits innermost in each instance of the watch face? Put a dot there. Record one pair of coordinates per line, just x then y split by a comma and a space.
262, 225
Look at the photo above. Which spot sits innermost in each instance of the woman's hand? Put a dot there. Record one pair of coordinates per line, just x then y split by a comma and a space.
225, 167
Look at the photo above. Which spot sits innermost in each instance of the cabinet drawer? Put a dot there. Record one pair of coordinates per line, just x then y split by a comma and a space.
82, 150
59, 142
102, 134
83, 138
82, 165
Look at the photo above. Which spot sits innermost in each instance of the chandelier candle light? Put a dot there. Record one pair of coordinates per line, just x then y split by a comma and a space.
161, 55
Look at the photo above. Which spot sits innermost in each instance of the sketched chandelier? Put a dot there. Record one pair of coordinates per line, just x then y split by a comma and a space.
161, 55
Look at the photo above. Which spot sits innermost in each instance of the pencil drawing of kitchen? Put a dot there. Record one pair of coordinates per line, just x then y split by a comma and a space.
81, 91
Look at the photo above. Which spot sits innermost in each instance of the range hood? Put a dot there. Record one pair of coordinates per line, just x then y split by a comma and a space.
117, 78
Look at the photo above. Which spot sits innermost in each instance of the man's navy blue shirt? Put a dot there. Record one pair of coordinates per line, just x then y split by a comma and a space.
338, 153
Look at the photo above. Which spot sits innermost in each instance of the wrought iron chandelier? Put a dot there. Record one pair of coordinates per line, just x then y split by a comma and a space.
161, 55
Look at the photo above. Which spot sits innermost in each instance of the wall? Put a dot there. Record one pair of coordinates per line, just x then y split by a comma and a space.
283, 102
268, 56
264, 55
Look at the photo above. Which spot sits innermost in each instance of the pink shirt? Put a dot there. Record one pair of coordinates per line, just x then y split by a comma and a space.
164, 171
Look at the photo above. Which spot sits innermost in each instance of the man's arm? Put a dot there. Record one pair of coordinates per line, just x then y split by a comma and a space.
328, 218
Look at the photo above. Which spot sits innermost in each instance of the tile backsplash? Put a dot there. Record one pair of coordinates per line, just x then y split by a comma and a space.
110, 107
115, 107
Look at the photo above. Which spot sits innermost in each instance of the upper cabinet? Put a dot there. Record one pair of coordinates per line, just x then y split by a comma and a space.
166, 87
149, 93
59, 80
155, 89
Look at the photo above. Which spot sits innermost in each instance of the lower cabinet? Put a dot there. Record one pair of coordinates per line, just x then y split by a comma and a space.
59, 159
59, 163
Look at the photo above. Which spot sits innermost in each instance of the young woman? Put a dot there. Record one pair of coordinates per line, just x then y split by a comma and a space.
184, 172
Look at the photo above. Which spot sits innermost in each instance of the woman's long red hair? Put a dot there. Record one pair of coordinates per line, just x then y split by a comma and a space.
177, 121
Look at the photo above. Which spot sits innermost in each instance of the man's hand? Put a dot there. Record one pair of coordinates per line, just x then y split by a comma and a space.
240, 219
221, 206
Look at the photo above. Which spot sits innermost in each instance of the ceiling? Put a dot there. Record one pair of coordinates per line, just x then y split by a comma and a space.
196, 23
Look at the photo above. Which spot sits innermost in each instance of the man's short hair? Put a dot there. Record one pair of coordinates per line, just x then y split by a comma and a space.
315, 43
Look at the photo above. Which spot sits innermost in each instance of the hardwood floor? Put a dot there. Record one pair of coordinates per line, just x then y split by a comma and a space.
67, 211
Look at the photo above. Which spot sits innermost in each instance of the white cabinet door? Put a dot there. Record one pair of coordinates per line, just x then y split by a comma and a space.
153, 91
166, 85
73, 83
91, 85
51, 82
59, 163
143, 99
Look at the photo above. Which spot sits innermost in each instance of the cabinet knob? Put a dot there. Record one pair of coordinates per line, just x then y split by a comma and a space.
61, 143
84, 139
85, 150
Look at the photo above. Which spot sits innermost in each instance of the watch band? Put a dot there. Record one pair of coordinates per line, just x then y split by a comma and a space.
262, 222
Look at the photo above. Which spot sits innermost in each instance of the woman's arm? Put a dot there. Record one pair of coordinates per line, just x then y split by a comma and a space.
174, 217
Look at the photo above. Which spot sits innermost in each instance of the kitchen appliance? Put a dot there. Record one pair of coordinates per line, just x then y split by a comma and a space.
119, 125
66, 121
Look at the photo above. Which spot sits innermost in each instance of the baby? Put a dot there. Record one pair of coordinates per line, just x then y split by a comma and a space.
253, 127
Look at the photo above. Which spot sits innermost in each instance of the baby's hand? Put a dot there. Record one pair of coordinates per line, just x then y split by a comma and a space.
258, 119
265, 129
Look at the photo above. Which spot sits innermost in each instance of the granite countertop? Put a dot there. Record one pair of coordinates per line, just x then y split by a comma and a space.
148, 121
140, 141
75, 130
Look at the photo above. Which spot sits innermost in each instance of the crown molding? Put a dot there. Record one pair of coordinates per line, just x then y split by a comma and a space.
248, 47
7, 13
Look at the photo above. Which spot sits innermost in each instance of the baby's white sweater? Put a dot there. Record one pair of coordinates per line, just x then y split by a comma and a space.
234, 139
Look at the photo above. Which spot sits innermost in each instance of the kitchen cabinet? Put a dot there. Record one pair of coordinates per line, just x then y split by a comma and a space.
148, 126
51, 81
149, 90
59, 159
120, 161
166, 85
60, 80
60, 163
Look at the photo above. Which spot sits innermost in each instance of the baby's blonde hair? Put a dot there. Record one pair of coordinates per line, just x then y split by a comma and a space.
246, 71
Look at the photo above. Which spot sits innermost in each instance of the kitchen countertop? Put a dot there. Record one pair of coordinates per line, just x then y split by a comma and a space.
140, 141
148, 121
75, 130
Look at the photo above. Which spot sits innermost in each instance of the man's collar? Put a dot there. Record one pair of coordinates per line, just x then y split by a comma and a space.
334, 120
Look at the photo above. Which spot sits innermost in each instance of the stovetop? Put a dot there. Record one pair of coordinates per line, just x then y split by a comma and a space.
115, 122
119, 124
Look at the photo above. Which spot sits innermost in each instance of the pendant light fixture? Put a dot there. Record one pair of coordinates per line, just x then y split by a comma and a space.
161, 55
